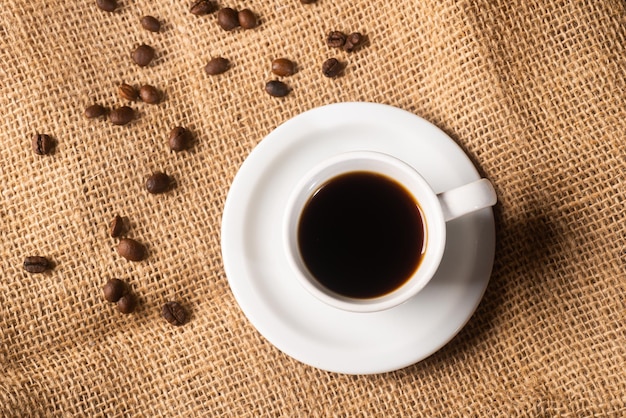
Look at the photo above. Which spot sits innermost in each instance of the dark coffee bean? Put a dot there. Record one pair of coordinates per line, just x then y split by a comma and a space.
116, 226
276, 88
174, 313
121, 115
227, 18
107, 5
42, 144
131, 250
283, 67
180, 139
143, 55
217, 65
332, 67
127, 303
95, 111
113, 290
247, 19
353, 41
150, 23
127, 92
336, 39
202, 7
307, 1
150, 94
158, 183
36, 264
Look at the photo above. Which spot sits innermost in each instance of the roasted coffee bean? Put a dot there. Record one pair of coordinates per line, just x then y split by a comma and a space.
217, 65
131, 250
121, 115
353, 41
116, 226
127, 92
150, 94
127, 303
113, 290
42, 144
336, 39
276, 88
36, 264
180, 139
307, 1
95, 111
143, 55
227, 18
247, 19
174, 313
202, 7
332, 67
158, 182
150, 23
283, 67
107, 5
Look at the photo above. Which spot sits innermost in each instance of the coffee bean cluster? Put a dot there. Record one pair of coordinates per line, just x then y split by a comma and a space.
118, 292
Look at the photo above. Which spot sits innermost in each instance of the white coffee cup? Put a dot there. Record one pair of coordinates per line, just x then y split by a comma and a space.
435, 209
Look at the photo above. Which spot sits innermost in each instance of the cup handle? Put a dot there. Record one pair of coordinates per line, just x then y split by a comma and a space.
468, 198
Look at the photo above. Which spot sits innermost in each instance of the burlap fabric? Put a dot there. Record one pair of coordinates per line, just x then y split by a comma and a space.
532, 90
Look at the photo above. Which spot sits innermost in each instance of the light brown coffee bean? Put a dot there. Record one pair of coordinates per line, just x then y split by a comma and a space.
283, 67
127, 92
121, 115
143, 55
202, 7
149, 94
131, 250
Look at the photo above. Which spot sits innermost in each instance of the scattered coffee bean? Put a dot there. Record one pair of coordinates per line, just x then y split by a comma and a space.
332, 67
158, 182
174, 313
276, 88
121, 115
202, 7
107, 5
227, 18
143, 55
247, 19
149, 94
336, 39
283, 67
150, 23
127, 303
95, 111
217, 65
131, 250
307, 1
113, 290
36, 264
353, 41
42, 144
127, 92
180, 139
116, 226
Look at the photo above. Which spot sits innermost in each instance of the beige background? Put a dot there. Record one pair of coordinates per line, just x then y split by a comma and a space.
532, 90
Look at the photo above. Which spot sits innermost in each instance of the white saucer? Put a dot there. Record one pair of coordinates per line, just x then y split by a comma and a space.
283, 311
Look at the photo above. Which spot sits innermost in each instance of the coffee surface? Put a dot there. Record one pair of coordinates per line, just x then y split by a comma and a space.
361, 235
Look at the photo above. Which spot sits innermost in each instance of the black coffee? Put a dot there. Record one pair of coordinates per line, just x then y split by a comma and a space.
361, 235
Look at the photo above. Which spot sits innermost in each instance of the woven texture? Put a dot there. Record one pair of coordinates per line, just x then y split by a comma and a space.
532, 90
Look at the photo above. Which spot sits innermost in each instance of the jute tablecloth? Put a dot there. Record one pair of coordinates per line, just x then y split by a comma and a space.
532, 90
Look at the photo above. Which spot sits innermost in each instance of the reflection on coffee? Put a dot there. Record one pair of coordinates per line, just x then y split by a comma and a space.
361, 235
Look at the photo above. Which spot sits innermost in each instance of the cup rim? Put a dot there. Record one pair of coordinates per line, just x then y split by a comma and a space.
368, 161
